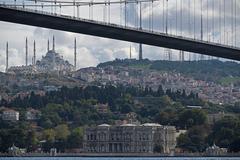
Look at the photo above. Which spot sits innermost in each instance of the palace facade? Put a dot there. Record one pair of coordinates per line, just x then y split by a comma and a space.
130, 138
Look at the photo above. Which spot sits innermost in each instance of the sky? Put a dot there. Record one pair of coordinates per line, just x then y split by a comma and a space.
93, 50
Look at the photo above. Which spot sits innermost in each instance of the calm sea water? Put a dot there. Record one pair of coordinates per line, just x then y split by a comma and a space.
109, 158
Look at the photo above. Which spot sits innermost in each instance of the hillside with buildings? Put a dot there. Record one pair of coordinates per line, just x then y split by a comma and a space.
67, 111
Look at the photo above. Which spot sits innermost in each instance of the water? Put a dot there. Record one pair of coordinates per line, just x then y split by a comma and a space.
111, 158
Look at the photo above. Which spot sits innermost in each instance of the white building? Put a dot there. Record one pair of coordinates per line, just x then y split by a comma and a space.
130, 138
10, 115
216, 151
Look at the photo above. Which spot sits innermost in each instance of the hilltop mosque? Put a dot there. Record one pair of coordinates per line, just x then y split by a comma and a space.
52, 62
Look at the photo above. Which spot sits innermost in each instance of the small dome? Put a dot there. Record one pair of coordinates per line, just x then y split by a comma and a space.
104, 125
151, 125
126, 125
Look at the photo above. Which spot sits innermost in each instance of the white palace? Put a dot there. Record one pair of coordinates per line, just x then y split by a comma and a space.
130, 138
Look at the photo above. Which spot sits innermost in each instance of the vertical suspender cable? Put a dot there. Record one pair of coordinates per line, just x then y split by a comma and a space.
213, 19
125, 14
176, 17
201, 20
181, 16
201, 57
167, 17
104, 11
89, 16
149, 17
232, 21
109, 9
235, 19
135, 14
207, 22
224, 21
152, 15
194, 20
220, 21
163, 22
189, 25
92, 10
73, 8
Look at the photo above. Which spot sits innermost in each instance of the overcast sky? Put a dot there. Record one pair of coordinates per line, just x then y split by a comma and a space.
93, 50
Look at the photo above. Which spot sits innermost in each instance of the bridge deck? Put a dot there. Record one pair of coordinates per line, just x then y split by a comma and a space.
101, 29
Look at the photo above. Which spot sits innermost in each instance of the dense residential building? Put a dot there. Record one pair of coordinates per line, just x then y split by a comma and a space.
210, 91
33, 114
130, 138
10, 115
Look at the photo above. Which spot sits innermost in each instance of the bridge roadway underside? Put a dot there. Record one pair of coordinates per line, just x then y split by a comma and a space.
116, 32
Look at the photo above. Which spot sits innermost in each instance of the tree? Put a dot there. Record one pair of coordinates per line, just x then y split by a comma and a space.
166, 101
226, 133
62, 132
49, 135
75, 139
194, 139
189, 118
160, 91
32, 141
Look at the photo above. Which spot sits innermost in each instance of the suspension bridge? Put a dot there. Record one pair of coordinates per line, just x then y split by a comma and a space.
213, 33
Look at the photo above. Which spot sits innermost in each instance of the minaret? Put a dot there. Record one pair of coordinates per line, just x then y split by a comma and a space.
75, 54
26, 52
140, 45
7, 57
48, 46
53, 44
140, 51
34, 53
130, 52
